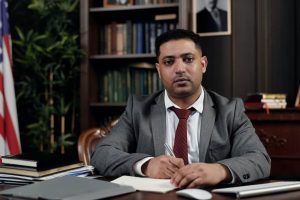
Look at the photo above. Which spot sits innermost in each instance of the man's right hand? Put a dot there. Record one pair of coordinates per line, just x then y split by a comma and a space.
162, 166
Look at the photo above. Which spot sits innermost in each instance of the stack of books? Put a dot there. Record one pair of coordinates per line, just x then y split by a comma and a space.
266, 101
29, 168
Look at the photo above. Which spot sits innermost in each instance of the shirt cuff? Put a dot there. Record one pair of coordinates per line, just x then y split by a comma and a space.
232, 175
138, 166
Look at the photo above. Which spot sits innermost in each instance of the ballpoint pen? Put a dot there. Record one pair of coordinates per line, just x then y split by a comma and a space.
169, 150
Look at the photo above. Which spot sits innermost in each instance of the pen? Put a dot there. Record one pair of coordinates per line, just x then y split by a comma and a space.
169, 150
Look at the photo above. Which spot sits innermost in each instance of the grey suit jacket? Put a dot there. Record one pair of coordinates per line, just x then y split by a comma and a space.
227, 137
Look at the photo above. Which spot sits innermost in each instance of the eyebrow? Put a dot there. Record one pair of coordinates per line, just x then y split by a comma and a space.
181, 55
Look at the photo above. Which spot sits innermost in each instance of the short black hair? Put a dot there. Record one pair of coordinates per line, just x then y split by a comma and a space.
177, 34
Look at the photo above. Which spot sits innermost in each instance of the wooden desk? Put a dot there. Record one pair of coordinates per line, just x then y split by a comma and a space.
280, 132
172, 196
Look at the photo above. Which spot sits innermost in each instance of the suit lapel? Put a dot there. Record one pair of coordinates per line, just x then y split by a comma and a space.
158, 124
207, 124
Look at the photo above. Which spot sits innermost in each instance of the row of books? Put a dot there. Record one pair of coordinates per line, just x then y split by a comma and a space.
29, 168
147, 2
266, 101
131, 38
118, 84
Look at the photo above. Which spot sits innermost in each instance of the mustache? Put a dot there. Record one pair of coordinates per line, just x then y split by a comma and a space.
181, 77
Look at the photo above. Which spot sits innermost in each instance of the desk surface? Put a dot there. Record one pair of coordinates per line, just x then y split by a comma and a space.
172, 196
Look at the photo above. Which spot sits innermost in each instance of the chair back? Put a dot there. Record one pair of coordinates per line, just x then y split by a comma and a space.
89, 139
87, 142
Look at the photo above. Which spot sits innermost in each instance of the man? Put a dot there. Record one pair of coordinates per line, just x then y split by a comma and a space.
221, 142
211, 18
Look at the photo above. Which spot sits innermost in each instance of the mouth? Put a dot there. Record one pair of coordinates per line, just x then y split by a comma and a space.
181, 80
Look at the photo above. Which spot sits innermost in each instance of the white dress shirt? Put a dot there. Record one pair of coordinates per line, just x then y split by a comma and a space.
193, 127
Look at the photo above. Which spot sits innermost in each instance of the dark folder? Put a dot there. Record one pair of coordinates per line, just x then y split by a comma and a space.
69, 188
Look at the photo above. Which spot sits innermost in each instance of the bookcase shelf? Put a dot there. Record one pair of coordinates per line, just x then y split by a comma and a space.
108, 105
126, 56
120, 58
134, 8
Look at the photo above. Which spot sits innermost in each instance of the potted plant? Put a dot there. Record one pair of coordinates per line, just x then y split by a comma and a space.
46, 56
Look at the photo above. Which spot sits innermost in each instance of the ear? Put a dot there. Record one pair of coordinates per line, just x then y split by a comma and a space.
157, 68
204, 63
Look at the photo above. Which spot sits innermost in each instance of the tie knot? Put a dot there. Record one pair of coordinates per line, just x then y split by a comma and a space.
181, 113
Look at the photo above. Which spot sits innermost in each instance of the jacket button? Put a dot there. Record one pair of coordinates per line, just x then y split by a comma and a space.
246, 176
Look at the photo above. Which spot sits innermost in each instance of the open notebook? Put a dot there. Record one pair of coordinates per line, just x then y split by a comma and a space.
146, 184
260, 189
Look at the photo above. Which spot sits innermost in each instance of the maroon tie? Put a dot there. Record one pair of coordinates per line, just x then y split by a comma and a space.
180, 145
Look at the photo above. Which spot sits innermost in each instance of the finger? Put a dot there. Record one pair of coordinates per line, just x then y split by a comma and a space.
186, 180
172, 169
169, 173
177, 162
179, 176
195, 183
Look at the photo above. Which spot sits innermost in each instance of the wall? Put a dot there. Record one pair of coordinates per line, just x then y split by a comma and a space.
261, 54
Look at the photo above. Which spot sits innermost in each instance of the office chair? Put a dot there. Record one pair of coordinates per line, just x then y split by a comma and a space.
88, 140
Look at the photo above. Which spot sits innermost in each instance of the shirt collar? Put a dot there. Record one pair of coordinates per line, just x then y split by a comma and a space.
198, 104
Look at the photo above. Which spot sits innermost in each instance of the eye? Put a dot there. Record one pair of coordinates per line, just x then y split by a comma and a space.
188, 59
168, 61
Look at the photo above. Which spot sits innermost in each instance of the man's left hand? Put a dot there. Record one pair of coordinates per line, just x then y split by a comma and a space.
199, 174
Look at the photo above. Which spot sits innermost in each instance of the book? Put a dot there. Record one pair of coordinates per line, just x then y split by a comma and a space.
23, 179
265, 101
171, 16
39, 160
260, 189
297, 101
37, 173
262, 95
146, 184
68, 187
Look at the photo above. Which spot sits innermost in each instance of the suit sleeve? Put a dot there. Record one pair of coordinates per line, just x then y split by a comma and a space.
114, 155
249, 159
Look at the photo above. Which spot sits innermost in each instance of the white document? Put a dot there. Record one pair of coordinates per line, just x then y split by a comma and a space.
146, 184
260, 189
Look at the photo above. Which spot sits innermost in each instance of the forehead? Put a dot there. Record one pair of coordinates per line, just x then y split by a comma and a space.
178, 47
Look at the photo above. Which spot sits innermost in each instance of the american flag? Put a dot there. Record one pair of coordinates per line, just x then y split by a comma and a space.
9, 127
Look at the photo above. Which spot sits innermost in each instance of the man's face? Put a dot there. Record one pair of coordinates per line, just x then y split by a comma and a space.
181, 67
211, 4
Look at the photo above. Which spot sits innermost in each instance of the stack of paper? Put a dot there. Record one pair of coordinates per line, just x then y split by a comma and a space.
23, 179
27, 168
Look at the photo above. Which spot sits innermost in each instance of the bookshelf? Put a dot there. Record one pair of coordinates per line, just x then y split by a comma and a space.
119, 45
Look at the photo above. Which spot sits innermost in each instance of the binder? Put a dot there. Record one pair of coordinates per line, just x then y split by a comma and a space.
68, 188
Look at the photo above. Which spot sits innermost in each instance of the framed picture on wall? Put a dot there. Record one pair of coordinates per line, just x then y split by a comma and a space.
297, 101
211, 17
108, 3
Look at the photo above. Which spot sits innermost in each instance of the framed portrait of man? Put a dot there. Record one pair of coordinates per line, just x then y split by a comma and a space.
109, 3
211, 17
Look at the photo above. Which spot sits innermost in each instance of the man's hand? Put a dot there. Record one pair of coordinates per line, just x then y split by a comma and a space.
199, 174
162, 166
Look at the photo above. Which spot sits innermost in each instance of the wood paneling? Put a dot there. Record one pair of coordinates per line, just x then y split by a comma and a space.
280, 133
261, 54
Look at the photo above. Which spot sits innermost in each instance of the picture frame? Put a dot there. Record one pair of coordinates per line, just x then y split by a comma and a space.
207, 24
110, 3
297, 101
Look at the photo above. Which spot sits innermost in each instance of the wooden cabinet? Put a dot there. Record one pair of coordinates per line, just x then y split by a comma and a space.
109, 59
280, 132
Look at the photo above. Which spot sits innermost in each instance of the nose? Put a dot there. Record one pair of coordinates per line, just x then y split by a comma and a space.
179, 66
